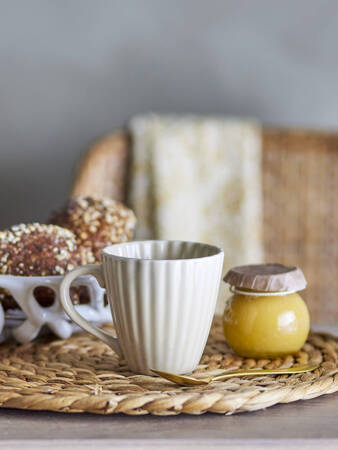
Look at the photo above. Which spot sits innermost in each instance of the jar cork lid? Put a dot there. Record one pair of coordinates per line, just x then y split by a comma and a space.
267, 278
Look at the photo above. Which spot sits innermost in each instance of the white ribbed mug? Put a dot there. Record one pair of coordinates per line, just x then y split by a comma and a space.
162, 296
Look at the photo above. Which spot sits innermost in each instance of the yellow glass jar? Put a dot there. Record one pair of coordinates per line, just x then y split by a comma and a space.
265, 324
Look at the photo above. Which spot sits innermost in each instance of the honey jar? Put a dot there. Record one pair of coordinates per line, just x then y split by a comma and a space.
266, 317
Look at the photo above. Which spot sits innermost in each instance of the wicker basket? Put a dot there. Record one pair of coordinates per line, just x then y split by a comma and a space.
300, 188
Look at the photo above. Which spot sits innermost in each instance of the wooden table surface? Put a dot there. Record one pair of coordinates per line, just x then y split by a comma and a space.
302, 425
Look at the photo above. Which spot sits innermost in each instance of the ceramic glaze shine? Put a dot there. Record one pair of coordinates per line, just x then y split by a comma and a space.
266, 326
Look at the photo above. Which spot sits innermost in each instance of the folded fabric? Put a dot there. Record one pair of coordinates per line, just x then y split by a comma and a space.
199, 179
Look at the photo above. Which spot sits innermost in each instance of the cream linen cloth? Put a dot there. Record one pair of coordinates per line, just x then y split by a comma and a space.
199, 179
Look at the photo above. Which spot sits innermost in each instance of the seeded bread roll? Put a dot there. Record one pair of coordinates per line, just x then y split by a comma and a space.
96, 223
37, 250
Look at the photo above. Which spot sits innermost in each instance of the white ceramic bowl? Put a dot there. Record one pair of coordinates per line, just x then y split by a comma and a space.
25, 324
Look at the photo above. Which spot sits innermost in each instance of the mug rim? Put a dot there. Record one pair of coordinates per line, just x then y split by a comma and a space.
218, 250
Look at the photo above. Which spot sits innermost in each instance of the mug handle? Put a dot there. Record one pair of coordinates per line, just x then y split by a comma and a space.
67, 304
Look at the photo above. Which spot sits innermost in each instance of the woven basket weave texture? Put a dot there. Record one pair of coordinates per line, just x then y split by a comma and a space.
300, 191
81, 374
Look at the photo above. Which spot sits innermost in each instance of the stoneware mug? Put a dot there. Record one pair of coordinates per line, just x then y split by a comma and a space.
162, 296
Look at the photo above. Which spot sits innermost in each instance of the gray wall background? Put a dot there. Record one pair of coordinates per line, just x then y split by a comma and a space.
73, 70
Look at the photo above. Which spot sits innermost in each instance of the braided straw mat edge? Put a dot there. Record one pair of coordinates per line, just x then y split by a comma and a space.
81, 374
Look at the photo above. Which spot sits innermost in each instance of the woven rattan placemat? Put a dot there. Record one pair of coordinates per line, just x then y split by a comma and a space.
81, 374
